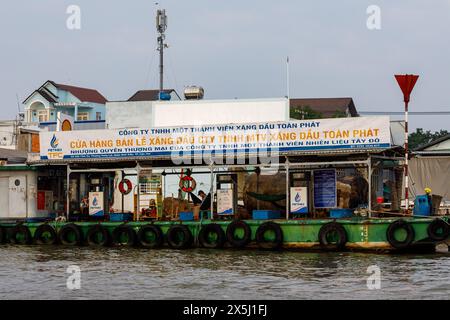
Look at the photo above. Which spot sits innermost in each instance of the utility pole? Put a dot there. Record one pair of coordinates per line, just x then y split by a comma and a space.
161, 26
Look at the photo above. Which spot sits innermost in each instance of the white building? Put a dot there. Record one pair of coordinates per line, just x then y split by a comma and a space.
149, 114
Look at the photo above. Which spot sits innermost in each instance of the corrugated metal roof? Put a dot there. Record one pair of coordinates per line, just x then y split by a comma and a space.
434, 142
13, 156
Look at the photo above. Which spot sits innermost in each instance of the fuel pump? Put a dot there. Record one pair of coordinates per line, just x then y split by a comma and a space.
227, 194
97, 187
95, 184
300, 203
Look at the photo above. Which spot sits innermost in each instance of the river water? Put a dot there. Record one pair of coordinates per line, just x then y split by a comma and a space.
115, 273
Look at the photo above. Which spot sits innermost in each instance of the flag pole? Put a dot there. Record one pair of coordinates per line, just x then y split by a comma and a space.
406, 83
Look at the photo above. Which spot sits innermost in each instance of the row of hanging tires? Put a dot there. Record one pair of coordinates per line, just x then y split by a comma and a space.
178, 236
332, 236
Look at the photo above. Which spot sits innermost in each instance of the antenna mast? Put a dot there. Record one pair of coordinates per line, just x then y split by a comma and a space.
161, 26
287, 79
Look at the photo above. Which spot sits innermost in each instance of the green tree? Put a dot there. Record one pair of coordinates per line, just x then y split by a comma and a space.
339, 114
305, 112
421, 137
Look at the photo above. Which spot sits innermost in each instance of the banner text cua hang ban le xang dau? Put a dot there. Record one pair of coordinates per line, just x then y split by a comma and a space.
305, 135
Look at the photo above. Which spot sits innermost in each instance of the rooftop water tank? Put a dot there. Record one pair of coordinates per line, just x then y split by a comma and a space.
193, 93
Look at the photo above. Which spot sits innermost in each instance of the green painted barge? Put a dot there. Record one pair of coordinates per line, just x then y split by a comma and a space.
306, 182
358, 234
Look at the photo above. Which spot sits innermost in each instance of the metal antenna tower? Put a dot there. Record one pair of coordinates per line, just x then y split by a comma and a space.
161, 26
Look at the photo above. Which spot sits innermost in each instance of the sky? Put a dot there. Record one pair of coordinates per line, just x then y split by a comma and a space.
234, 49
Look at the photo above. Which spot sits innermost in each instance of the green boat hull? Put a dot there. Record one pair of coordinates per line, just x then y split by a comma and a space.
362, 234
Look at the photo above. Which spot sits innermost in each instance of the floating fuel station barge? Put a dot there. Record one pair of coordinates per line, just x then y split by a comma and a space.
272, 183
309, 184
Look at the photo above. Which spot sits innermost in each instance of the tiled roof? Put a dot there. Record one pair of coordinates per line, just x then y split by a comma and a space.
83, 94
148, 95
326, 106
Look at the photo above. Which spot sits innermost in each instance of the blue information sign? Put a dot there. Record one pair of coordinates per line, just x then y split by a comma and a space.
325, 188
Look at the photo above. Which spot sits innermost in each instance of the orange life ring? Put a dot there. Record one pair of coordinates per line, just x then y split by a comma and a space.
122, 186
191, 184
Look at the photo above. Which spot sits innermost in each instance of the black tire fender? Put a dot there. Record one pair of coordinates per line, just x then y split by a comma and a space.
2, 235
91, 236
231, 229
338, 229
435, 226
20, 229
393, 227
261, 240
65, 230
211, 228
173, 237
121, 230
45, 228
156, 230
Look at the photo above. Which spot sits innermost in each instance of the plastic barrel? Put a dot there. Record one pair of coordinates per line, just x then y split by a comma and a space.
422, 206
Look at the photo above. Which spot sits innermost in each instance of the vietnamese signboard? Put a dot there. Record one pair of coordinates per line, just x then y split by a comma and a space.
305, 135
325, 192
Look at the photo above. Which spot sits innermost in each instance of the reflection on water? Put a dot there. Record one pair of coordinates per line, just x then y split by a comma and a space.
114, 273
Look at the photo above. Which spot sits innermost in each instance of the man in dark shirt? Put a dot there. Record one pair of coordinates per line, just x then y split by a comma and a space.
205, 201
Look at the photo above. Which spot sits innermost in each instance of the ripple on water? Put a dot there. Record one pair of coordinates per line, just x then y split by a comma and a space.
124, 273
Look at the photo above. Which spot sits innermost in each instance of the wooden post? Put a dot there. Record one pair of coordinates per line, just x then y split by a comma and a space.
369, 166
67, 192
287, 189
138, 169
212, 191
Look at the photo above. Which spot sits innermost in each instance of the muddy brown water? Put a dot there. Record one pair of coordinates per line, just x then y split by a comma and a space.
32, 272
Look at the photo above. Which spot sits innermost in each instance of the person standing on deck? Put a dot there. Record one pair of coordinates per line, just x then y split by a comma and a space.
84, 206
202, 195
204, 201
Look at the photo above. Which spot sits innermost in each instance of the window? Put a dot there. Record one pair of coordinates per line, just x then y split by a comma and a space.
98, 116
43, 116
83, 116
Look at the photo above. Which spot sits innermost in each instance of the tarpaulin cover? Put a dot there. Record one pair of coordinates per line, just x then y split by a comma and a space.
430, 172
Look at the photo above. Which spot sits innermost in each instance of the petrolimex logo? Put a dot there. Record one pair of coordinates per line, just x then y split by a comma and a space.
54, 142
54, 152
